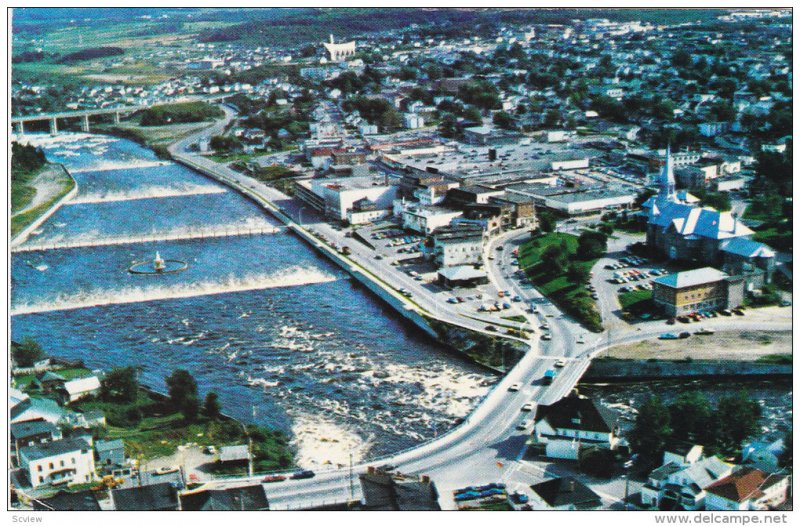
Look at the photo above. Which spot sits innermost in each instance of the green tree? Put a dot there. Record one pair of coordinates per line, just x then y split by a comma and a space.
786, 456
190, 408
27, 352
552, 118
211, 406
182, 389
547, 220
121, 384
592, 245
553, 260
651, 431
691, 418
597, 462
737, 419
503, 120
577, 273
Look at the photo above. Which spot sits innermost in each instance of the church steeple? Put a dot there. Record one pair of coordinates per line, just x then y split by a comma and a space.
666, 180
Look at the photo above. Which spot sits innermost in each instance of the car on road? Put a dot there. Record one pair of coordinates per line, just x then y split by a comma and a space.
544, 326
519, 498
549, 376
525, 424
491, 328
702, 331
528, 406
560, 363
546, 336
684, 335
306, 474
515, 387
273, 478
668, 336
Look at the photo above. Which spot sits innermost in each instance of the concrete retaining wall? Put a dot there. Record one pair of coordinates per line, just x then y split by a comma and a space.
23, 234
621, 370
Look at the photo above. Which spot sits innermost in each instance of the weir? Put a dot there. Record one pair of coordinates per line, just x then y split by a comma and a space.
165, 236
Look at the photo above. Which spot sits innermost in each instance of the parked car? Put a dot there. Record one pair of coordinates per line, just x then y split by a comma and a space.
668, 336
560, 363
528, 406
684, 335
515, 386
703, 331
525, 424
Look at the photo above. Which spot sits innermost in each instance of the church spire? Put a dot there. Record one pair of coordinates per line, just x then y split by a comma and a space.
667, 179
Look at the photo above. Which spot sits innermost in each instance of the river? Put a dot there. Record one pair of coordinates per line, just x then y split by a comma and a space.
285, 338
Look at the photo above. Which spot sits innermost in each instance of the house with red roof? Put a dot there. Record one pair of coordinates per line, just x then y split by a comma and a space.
747, 489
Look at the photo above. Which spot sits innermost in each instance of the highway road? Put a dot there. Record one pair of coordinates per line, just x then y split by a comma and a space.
488, 445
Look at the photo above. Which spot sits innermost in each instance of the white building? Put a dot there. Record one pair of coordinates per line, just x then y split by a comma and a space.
80, 388
336, 197
426, 219
573, 423
682, 484
457, 246
341, 51
66, 461
412, 121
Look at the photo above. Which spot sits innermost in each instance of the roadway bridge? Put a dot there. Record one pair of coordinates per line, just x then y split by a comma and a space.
118, 112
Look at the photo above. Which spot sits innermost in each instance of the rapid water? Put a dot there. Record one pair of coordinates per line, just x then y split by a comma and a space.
277, 331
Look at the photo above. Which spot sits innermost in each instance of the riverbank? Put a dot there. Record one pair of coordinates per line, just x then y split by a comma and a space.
54, 186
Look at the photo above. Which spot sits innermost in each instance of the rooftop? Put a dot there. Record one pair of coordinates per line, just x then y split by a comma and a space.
50, 449
462, 272
691, 278
577, 412
566, 491
31, 428
245, 498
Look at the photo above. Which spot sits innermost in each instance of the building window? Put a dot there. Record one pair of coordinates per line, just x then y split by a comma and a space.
41, 479
50, 465
73, 460
62, 463
40, 467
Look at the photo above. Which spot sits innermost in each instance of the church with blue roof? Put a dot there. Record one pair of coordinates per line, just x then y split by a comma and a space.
680, 229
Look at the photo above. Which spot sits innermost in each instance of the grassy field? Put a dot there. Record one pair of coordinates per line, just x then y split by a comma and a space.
159, 430
20, 221
637, 300
571, 297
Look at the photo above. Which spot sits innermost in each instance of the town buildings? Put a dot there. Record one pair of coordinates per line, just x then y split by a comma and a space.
697, 290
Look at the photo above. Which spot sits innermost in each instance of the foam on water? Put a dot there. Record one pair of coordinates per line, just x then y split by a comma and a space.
291, 277
94, 238
321, 442
151, 192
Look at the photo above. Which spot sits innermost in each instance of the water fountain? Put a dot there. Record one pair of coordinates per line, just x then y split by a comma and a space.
159, 265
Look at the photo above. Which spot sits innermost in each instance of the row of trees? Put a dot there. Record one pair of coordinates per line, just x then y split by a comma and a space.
692, 418
121, 386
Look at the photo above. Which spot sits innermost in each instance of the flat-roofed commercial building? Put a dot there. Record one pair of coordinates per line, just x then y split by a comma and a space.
697, 290
336, 197
453, 246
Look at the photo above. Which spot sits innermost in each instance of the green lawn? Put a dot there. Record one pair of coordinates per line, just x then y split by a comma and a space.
68, 374
571, 297
636, 300
20, 221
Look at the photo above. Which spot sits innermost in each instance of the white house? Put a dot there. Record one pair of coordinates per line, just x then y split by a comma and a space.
573, 423
747, 489
80, 388
763, 455
412, 121
66, 461
680, 486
